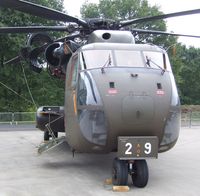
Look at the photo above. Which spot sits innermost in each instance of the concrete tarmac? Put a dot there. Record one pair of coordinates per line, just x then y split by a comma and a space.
57, 172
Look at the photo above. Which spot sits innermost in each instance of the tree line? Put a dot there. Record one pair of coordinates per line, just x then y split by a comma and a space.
50, 91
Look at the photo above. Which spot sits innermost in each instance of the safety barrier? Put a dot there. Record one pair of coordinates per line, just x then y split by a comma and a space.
17, 117
188, 119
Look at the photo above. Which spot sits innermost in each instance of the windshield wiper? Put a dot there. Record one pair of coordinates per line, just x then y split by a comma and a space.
107, 64
148, 61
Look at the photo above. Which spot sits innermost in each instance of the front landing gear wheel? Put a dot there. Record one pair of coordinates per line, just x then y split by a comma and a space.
140, 173
46, 135
120, 172
55, 134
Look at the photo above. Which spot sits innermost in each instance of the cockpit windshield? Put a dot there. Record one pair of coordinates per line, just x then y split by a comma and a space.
128, 58
97, 58
124, 58
156, 60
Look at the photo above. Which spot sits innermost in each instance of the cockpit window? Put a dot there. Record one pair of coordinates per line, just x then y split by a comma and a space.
108, 58
97, 58
156, 60
129, 58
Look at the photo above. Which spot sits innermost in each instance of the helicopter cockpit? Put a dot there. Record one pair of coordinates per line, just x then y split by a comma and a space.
124, 56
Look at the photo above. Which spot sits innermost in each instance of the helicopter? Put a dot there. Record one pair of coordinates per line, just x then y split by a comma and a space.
119, 96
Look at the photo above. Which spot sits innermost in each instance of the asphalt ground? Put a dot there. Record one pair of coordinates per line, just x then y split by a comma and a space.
57, 172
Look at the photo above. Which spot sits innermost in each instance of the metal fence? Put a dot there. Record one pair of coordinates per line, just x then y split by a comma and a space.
188, 119
17, 117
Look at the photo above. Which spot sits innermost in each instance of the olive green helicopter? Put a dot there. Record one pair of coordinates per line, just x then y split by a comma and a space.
119, 96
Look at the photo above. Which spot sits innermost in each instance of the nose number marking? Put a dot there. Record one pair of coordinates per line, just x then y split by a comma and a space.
129, 146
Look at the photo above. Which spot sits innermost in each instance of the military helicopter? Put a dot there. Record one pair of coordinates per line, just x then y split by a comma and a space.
119, 96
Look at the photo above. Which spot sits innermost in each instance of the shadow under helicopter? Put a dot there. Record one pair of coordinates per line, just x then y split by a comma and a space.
64, 158
94, 167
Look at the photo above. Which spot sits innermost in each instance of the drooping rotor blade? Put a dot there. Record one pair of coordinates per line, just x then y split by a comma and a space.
32, 29
158, 17
69, 37
41, 11
18, 58
154, 32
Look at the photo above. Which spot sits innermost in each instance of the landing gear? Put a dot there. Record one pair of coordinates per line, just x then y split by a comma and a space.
137, 169
47, 135
55, 134
120, 172
140, 173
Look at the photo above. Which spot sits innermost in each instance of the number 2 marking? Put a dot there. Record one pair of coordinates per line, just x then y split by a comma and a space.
128, 151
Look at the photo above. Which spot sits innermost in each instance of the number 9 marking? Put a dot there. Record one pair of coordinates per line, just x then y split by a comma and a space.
128, 151
147, 148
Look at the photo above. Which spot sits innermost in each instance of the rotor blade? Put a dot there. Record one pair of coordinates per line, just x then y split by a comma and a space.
18, 58
69, 37
32, 29
141, 31
41, 11
158, 17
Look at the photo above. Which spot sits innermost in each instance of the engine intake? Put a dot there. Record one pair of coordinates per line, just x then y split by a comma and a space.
50, 56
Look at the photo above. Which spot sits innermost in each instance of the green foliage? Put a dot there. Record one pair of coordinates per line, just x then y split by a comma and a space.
45, 90
186, 67
190, 74
90, 10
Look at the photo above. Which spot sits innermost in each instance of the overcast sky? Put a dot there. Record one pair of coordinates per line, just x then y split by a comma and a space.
186, 24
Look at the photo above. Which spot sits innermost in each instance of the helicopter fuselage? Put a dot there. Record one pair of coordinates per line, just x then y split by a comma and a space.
120, 89
119, 96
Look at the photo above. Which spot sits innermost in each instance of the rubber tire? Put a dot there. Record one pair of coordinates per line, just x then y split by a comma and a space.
46, 135
140, 176
120, 172
56, 134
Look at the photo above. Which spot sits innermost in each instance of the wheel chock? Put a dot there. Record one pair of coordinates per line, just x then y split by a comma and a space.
121, 188
108, 181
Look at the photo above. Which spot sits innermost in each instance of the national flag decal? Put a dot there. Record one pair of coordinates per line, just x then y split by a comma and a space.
112, 91
160, 92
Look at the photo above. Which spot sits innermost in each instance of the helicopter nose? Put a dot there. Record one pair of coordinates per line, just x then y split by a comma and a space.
138, 104
137, 108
